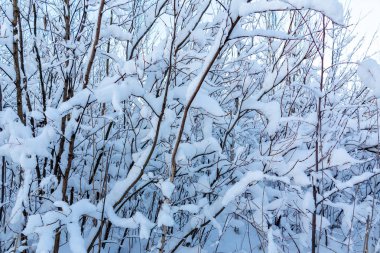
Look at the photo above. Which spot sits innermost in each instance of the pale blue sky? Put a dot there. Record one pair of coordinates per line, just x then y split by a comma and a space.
368, 12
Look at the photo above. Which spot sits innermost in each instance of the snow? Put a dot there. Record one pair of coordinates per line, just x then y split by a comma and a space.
22, 197
145, 225
121, 186
46, 233
240, 187
203, 184
191, 250
118, 221
331, 8
369, 73
50, 179
340, 156
247, 73
23, 148
109, 91
190, 208
212, 106
165, 216
272, 247
76, 241
191, 89
189, 29
167, 188
79, 100
117, 32
272, 111
241, 33
187, 151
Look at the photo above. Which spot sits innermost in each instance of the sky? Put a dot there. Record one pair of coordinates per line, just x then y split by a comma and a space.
368, 12
365, 8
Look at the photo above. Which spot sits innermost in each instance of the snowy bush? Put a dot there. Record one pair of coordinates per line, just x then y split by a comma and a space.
186, 126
